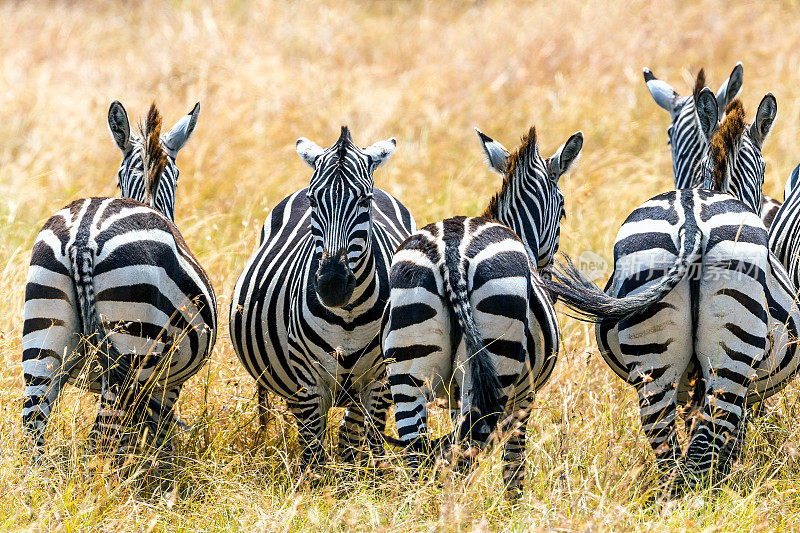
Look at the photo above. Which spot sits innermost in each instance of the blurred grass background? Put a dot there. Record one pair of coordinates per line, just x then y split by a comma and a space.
269, 72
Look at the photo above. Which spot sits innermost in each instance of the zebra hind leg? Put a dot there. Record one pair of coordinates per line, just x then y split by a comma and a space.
515, 431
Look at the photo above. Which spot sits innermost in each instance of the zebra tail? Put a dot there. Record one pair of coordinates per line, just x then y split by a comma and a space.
116, 367
593, 305
486, 391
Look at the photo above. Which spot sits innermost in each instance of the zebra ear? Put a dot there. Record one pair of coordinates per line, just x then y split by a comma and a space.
661, 91
707, 113
308, 151
176, 138
765, 116
565, 156
496, 154
119, 125
380, 151
730, 88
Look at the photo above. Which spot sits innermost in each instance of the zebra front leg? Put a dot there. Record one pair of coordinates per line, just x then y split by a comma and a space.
262, 396
379, 405
311, 415
351, 434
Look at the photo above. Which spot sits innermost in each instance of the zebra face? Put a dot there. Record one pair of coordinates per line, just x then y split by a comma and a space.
686, 142
530, 201
734, 163
148, 172
340, 199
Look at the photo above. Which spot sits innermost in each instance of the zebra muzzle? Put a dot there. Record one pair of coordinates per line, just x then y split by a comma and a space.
335, 281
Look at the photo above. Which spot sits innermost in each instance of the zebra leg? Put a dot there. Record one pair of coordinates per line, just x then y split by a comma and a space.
657, 348
49, 341
311, 416
365, 423
731, 341
110, 432
514, 431
351, 434
161, 417
263, 408
379, 405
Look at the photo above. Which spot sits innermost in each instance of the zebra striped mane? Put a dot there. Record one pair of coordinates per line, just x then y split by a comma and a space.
154, 158
527, 148
344, 142
699, 83
725, 139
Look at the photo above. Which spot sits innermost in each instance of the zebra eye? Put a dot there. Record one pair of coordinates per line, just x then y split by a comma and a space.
312, 201
365, 200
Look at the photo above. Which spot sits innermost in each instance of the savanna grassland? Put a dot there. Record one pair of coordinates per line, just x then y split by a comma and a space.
267, 73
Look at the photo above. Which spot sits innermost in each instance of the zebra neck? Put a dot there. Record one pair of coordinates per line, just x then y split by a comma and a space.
519, 221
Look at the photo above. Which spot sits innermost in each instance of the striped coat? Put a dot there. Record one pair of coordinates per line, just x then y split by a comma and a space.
115, 301
293, 324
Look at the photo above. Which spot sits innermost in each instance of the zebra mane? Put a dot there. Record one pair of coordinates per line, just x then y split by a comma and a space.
527, 148
724, 141
154, 158
343, 143
699, 83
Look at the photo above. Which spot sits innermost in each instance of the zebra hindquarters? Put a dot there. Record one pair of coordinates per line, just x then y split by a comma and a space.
656, 348
731, 340
50, 338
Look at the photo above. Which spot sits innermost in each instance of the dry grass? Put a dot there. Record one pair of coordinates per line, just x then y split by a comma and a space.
267, 73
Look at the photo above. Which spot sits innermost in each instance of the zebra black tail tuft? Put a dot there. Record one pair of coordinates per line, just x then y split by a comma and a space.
593, 305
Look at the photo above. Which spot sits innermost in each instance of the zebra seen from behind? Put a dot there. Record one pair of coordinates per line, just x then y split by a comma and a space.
466, 319
687, 143
115, 294
306, 310
698, 310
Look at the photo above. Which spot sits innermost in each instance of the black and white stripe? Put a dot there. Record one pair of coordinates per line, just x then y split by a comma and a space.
466, 320
115, 300
686, 142
784, 234
306, 311
698, 310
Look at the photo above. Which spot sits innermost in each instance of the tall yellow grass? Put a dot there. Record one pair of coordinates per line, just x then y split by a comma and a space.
267, 73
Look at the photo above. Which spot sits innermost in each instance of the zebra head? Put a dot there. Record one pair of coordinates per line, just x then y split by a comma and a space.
340, 196
530, 201
734, 163
687, 144
148, 172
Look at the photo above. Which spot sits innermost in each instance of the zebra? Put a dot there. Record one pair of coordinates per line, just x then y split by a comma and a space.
685, 139
698, 309
791, 183
467, 321
784, 234
115, 301
306, 310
